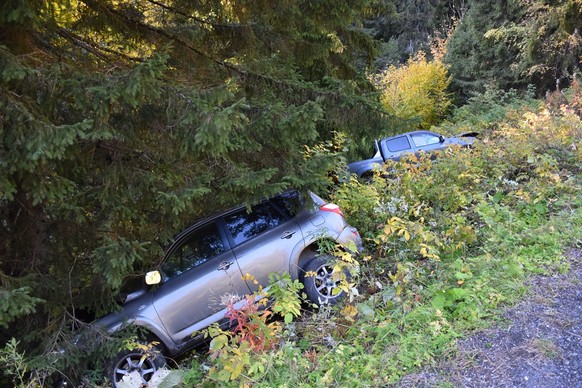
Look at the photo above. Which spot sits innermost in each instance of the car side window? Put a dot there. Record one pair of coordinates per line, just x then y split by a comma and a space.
398, 144
243, 226
289, 202
203, 245
424, 139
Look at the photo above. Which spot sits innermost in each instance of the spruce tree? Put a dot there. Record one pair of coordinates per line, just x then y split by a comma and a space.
512, 44
122, 121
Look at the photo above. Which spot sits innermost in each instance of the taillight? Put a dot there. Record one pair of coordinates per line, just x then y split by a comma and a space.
332, 207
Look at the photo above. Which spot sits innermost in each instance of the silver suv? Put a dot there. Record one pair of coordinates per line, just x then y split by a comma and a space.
207, 264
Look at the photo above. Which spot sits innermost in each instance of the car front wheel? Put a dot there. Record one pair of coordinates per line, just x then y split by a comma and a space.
129, 361
321, 284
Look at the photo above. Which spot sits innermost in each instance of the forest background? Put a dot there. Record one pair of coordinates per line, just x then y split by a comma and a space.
123, 121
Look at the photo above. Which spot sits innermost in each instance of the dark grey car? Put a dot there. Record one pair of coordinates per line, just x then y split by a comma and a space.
393, 148
204, 268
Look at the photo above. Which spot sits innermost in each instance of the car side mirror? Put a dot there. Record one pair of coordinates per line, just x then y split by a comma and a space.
441, 138
153, 278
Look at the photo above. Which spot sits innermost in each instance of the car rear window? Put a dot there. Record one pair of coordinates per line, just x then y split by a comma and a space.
398, 144
289, 202
244, 226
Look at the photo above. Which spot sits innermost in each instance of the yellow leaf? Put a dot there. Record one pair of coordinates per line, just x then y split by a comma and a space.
349, 311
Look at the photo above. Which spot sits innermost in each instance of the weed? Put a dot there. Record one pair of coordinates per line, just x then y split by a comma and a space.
545, 348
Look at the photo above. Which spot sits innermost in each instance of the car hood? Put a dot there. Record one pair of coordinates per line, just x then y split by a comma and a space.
460, 140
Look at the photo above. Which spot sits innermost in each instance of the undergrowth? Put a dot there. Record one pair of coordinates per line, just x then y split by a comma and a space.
449, 241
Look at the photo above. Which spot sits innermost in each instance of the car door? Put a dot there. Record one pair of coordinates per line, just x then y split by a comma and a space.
263, 241
200, 278
394, 148
427, 141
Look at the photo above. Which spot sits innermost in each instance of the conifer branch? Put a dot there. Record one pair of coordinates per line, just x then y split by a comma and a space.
242, 73
196, 19
93, 47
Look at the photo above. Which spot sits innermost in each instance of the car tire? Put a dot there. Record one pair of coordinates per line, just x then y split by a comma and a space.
318, 283
127, 361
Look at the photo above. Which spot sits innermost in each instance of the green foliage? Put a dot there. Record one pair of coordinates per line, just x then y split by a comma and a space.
514, 44
15, 303
286, 296
15, 364
18, 12
230, 360
406, 28
23, 371
483, 112
194, 374
114, 258
360, 201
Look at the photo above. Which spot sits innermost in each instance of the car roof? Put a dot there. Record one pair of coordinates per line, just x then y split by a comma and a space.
420, 131
187, 231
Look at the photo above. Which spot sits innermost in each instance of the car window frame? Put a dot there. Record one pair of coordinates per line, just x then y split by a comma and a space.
186, 236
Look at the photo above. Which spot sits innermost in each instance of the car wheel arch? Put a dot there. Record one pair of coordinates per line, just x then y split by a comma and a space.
370, 169
368, 176
306, 254
150, 331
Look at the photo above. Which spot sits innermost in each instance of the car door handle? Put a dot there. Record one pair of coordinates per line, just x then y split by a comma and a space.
224, 265
287, 235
